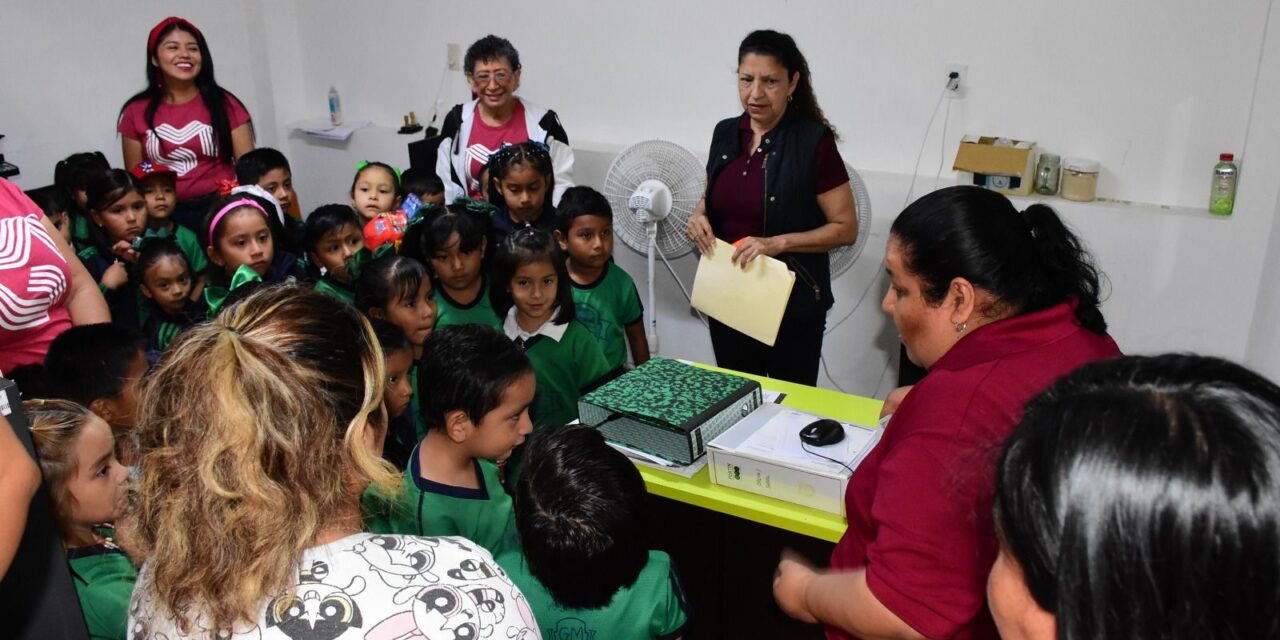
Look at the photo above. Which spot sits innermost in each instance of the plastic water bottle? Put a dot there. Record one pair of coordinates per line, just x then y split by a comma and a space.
1222, 197
335, 107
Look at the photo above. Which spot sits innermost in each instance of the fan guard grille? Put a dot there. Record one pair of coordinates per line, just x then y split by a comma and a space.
843, 257
674, 166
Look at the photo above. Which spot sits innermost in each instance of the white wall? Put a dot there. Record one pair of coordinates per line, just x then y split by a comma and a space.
70, 66
1154, 89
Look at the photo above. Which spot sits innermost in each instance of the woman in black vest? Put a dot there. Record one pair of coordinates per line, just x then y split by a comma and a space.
776, 186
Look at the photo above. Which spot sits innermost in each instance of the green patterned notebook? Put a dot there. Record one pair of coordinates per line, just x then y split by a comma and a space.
668, 408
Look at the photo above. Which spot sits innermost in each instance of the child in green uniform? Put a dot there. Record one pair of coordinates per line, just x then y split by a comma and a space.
397, 396
476, 389
398, 290
332, 236
605, 295
452, 240
98, 366
159, 186
165, 281
269, 169
531, 289
71, 176
87, 485
585, 567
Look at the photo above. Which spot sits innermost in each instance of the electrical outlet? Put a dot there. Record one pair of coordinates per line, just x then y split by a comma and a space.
454, 56
961, 82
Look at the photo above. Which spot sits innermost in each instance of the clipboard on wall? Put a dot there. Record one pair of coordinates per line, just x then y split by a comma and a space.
750, 300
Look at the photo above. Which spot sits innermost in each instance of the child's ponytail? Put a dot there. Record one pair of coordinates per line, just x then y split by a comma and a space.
249, 456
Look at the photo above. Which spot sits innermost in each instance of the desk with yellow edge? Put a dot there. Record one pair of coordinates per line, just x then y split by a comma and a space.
716, 538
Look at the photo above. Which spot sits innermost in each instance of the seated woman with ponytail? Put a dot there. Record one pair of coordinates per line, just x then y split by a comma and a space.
248, 522
996, 304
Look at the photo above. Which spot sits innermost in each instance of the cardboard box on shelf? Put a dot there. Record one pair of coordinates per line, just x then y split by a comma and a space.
1000, 164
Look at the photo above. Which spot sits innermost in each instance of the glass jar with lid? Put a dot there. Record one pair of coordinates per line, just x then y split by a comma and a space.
1047, 171
1080, 179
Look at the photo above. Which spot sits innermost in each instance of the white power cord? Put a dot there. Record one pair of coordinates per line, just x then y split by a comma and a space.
924, 140
680, 282
929, 127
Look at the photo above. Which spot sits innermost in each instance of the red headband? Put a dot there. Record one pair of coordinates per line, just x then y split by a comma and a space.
164, 24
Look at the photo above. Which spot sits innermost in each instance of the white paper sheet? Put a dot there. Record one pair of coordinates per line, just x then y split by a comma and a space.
780, 438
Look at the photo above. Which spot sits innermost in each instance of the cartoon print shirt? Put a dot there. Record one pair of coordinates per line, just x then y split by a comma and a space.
183, 139
372, 587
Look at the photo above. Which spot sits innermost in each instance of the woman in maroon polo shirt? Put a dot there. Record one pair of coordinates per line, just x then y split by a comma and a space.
776, 183
996, 304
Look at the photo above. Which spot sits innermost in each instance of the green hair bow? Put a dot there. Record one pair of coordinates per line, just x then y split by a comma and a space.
476, 206
149, 237
355, 264
215, 296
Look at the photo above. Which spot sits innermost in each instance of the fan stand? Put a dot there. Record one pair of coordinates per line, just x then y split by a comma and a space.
652, 203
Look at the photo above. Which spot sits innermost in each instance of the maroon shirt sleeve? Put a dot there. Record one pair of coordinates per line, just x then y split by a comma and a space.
829, 166
935, 543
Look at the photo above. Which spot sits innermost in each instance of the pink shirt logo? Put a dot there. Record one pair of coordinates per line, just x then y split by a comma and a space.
24, 305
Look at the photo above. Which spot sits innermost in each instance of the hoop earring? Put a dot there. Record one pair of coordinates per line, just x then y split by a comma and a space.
791, 98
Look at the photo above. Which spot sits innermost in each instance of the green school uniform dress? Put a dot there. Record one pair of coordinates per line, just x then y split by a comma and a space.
104, 580
480, 311
335, 289
566, 362
652, 607
606, 308
426, 508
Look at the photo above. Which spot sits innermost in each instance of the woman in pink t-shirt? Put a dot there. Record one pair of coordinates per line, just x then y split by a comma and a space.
184, 120
43, 287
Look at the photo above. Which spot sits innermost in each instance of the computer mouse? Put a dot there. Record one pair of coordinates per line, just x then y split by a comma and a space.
821, 433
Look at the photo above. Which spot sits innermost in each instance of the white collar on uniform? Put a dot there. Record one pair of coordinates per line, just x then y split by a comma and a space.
548, 328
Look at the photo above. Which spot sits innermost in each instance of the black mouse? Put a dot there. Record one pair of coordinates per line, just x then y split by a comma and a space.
821, 433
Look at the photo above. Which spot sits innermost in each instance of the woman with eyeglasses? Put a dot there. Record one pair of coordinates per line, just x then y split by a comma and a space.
495, 117
776, 186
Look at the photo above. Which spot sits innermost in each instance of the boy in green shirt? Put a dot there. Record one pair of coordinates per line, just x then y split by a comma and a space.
605, 295
585, 567
475, 390
332, 237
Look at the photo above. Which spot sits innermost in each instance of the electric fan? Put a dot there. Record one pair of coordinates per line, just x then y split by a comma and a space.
653, 187
843, 257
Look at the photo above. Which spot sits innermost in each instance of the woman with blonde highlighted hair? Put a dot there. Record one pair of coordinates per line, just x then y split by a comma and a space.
249, 520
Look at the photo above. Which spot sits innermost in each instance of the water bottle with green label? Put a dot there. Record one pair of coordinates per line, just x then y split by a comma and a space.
1222, 197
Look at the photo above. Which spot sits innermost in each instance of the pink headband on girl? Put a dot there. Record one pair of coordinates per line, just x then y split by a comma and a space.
235, 204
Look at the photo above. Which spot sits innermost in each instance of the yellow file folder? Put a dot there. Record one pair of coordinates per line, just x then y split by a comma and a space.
750, 300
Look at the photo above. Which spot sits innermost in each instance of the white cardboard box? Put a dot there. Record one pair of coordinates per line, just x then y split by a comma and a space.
752, 456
